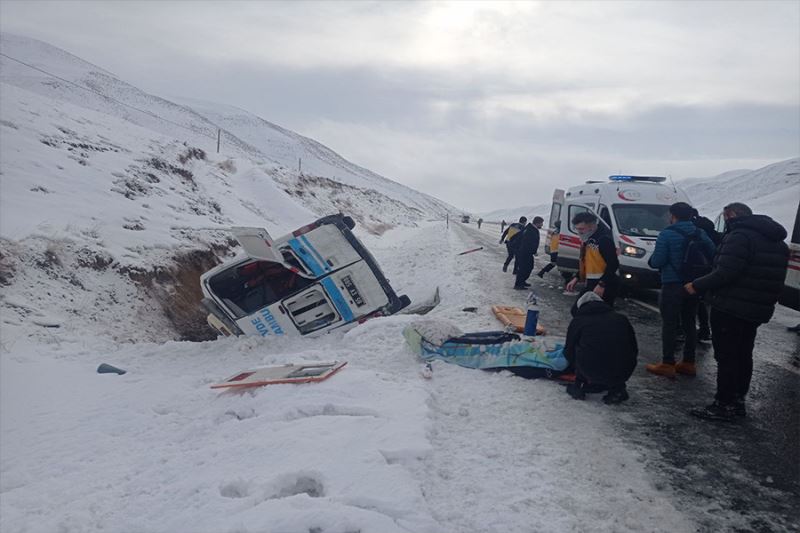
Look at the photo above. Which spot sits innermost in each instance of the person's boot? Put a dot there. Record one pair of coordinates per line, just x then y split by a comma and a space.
615, 396
576, 391
686, 368
724, 412
505, 268
661, 369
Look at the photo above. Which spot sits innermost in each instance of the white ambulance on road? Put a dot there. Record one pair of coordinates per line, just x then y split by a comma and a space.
791, 289
316, 279
635, 208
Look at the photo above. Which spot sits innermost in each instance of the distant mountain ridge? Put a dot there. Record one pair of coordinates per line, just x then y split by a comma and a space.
773, 190
513, 214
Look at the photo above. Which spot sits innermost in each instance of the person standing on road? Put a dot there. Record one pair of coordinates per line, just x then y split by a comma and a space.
675, 304
528, 247
509, 236
705, 224
742, 290
598, 260
502, 226
553, 250
480, 221
601, 347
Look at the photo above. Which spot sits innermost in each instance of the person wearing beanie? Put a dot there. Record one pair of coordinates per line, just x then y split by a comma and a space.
601, 347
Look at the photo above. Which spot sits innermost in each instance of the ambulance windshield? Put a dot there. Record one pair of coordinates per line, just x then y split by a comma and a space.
641, 220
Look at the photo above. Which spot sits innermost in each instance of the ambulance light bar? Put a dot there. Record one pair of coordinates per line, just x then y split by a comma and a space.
654, 179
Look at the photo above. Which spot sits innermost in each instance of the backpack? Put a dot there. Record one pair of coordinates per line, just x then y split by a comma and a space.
694, 262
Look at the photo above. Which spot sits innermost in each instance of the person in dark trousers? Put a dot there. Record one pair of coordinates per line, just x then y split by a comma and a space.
675, 304
705, 224
742, 290
509, 236
502, 226
601, 348
528, 247
480, 221
553, 250
598, 259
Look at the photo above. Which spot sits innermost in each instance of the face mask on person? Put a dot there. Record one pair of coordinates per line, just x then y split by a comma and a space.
585, 231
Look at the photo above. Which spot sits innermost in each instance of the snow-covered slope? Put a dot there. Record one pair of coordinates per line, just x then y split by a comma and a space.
773, 190
292, 151
80, 93
119, 196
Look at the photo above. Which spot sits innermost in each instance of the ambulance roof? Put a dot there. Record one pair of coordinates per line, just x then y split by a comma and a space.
614, 191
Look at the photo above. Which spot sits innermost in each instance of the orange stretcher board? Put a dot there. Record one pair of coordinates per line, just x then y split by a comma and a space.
289, 373
514, 316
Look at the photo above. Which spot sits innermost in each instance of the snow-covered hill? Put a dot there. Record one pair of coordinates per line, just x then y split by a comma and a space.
773, 190
113, 190
79, 90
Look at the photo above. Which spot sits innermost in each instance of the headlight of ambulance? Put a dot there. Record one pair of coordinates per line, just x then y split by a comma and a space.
633, 251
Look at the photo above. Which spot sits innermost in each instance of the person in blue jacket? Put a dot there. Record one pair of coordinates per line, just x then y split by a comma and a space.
677, 305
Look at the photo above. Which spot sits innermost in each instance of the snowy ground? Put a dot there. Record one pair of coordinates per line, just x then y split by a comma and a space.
376, 448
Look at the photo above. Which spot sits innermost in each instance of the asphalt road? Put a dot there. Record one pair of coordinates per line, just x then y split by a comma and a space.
749, 469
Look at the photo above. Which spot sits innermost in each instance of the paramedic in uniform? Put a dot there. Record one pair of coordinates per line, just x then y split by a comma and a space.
553, 250
598, 260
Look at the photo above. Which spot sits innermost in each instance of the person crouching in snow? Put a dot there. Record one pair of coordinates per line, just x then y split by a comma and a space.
601, 347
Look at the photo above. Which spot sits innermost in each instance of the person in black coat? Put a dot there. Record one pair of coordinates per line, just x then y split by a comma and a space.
528, 247
705, 224
742, 290
601, 347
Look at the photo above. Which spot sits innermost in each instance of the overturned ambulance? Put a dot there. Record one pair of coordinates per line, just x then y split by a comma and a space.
317, 279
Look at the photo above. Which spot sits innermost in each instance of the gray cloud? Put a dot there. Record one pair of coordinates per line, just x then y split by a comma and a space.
484, 105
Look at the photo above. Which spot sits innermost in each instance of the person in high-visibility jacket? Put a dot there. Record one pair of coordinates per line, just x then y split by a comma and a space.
553, 250
598, 259
511, 237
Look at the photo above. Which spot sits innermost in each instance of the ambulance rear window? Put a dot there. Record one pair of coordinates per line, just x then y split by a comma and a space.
252, 286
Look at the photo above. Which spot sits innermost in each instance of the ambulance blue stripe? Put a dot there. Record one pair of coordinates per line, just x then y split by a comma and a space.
315, 252
338, 299
307, 257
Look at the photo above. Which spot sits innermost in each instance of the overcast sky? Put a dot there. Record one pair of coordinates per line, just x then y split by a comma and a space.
483, 104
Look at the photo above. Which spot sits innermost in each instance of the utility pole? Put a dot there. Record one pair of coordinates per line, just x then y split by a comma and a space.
300, 165
219, 132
